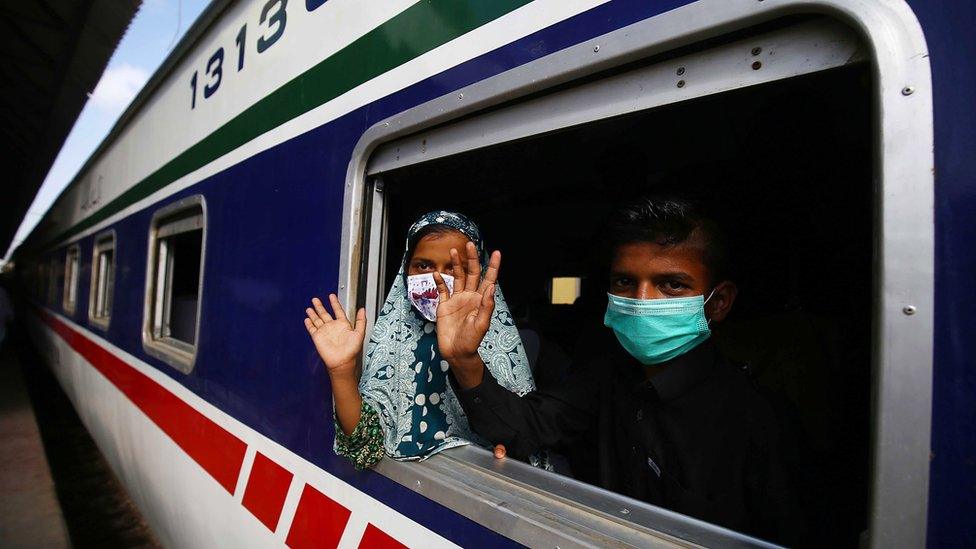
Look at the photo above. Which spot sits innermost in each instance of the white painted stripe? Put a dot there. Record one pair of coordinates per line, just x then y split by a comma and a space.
166, 125
245, 473
354, 532
288, 509
504, 30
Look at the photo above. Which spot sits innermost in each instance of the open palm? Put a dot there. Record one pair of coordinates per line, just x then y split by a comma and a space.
464, 317
337, 341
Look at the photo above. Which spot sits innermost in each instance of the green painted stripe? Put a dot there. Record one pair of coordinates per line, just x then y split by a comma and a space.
415, 31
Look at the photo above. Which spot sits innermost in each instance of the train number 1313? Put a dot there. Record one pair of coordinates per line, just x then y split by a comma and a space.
272, 22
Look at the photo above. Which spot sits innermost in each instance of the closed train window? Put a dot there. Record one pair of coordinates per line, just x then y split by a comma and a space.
71, 265
175, 281
41, 284
102, 280
787, 163
53, 275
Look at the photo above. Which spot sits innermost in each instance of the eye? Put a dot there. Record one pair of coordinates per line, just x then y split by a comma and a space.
423, 266
673, 287
621, 282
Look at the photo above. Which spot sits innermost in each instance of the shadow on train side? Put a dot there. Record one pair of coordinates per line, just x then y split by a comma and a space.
786, 167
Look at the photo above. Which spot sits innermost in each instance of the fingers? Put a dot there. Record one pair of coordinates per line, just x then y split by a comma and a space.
499, 451
314, 317
483, 320
361, 321
310, 326
340, 313
320, 310
491, 276
458, 270
473, 268
442, 293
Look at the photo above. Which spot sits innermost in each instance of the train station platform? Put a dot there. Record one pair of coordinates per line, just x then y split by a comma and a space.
30, 514
56, 488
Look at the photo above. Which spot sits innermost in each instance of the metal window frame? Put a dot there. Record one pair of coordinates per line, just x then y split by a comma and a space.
903, 303
178, 354
100, 287
72, 266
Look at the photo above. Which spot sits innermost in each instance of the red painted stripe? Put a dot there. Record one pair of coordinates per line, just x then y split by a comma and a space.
374, 538
319, 521
266, 489
216, 450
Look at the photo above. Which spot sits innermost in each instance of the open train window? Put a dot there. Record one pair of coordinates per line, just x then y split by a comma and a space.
775, 128
102, 280
175, 281
71, 265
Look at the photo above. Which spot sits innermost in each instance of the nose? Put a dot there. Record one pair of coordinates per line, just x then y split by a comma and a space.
645, 290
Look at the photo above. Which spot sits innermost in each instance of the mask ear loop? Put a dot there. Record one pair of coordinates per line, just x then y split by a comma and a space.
708, 321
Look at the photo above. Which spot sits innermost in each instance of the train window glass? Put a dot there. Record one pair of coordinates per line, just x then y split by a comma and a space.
564, 290
171, 329
41, 284
70, 294
102, 280
53, 275
533, 191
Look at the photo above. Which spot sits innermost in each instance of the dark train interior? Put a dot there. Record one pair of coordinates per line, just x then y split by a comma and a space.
786, 168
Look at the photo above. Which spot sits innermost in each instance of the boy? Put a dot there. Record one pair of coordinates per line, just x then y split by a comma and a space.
671, 420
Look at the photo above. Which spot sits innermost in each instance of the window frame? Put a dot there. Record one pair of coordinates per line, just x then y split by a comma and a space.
72, 276
172, 351
902, 311
103, 242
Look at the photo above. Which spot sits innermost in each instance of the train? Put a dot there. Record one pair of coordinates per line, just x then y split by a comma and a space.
283, 147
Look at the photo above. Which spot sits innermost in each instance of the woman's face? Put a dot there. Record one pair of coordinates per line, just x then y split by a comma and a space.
433, 253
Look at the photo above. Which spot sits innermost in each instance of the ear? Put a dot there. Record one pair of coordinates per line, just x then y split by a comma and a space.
719, 306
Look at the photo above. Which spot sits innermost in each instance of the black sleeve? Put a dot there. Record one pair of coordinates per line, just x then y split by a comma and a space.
538, 420
771, 488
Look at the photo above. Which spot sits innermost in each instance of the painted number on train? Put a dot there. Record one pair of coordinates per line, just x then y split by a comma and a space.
272, 22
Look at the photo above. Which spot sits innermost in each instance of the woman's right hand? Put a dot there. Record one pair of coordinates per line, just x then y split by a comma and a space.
338, 341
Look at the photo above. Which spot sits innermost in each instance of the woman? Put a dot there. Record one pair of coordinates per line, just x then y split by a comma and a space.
402, 404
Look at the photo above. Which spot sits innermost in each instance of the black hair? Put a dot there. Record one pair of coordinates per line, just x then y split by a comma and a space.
434, 229
669, 221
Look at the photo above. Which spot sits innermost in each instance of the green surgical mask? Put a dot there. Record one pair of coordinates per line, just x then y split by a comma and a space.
656, 330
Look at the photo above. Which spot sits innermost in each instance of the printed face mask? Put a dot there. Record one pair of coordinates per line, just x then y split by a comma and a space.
422, 291
656, 330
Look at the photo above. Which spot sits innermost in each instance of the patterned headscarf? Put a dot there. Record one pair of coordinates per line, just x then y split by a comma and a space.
405, 378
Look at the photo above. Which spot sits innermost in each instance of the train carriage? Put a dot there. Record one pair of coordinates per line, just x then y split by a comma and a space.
283, 147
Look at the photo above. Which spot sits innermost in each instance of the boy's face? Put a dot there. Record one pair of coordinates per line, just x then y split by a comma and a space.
647, 270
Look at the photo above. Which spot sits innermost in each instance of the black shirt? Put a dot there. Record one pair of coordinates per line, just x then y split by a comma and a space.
697, 438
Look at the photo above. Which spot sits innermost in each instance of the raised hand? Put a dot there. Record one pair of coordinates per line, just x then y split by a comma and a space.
338, 342
464, 317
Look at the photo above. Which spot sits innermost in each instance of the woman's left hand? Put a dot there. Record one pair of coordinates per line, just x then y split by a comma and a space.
464, 317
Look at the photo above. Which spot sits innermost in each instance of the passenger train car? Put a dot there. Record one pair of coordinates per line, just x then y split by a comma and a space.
284, 146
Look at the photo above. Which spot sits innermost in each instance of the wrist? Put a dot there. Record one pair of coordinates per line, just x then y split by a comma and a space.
344, 373
468, 370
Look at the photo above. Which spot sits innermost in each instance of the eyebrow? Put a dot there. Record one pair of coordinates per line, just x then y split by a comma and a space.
676, 275
680, 276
